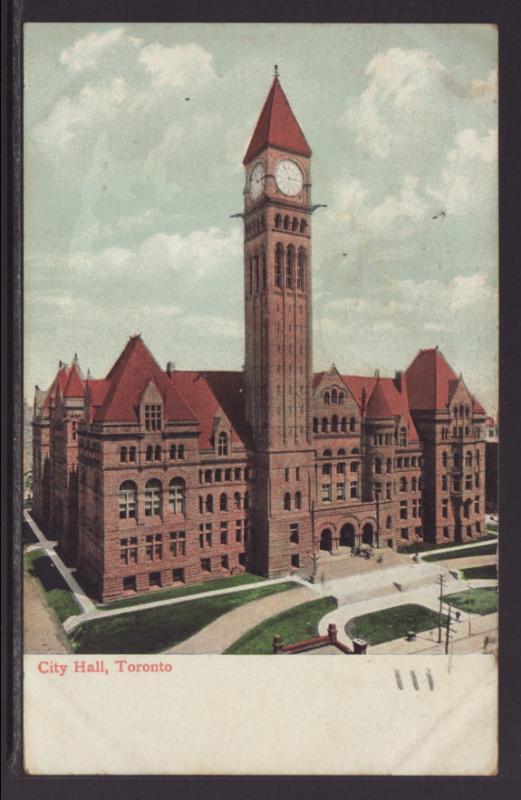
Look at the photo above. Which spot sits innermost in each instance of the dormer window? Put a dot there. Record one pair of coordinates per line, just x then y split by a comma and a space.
153, 417
222, 444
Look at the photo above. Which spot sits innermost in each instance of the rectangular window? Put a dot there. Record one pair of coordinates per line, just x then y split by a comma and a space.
297, 473
129, 583
294, 533
242, 559
239, 530
456, 484
286, 474
153, 417
404, 533
206, 564
178, 575
326, 492
446, 533
468, 481
225, 564
295, 561
444, 483
227, 474
353, 492
178, 544
340, 491
403, 509
445, 508
224, 533
354, 466
154, 579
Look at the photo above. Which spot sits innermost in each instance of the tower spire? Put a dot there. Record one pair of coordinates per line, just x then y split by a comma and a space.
275, 70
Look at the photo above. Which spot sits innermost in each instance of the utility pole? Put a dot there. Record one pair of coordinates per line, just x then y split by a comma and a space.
441, 582
448, 629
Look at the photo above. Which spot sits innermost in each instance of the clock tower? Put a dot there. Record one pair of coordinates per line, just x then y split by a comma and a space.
278, 360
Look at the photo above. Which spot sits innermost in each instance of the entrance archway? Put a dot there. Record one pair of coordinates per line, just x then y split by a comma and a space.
326, 540
367, 534
347, 535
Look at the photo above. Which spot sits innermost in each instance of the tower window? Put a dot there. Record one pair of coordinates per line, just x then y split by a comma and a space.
301, 268
278, 220
279, 255
290, 259
263, 271
286, 223
303, 226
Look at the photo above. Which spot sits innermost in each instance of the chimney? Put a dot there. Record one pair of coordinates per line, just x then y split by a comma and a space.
170, 367
398, 375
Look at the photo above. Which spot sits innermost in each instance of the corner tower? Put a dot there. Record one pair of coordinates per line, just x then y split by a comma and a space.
278, 360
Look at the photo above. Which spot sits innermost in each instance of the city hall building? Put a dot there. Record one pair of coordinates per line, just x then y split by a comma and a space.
152, 477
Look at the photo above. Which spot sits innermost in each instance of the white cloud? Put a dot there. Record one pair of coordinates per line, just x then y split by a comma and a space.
84, 53
197, 254
469, 175
218, 325
94, 105
185, 66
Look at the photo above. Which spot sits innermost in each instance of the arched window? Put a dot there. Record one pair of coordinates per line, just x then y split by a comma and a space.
341, 398
315, 424
414, 484
343, 424
279, 257
352, 424
341, 452
334, 396
389, 523
287, 502
334, 423
181, 451
468, 459
389, 465
378, 466
246, 500
127, 500
403, 437
287, 223
355, 451
222, 444
237, 500
294, 224
149, 453
298, 500
303, 226
444, 459
173, 451
327, 398
132, 454
301, 271
176, 496
290, 261
403, 484
223, 502
327, 453
278, 220
153, 491
324, 424
123, 454
209, 504
201, 504
157, 453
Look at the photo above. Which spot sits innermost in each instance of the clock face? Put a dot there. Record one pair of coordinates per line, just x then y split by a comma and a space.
256, 183
288, 177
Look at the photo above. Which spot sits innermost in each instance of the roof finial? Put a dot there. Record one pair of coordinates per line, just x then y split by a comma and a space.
276, 71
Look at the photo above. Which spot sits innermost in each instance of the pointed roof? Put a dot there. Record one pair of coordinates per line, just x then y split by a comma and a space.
210, 394
277, 126
430, 381
378, 406
74, 385
128, 378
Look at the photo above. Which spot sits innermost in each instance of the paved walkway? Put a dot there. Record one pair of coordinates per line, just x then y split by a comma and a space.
223, 632
42, 633
427, 596
457, 548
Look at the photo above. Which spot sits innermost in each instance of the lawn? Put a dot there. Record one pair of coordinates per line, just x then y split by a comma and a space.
156, 629
184, 591
56, 591
480, 573
476, 601
427, 547
293, 626
392, 623
484, 550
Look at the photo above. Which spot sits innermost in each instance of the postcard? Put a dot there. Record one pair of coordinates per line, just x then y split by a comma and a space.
261, 414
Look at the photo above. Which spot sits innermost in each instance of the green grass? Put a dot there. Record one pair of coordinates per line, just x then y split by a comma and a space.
476, 601
156, 629
184, 591
57, 594
480, 573
486, 550
427, 547
392, 623
293, 626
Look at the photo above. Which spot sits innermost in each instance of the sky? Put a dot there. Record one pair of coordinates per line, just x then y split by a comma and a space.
134, 139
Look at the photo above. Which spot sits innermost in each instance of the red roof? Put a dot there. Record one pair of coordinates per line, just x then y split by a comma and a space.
277, 126
128, 378
378, 406
431, 381
209, 392
389, 398
74, 385
97, 389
